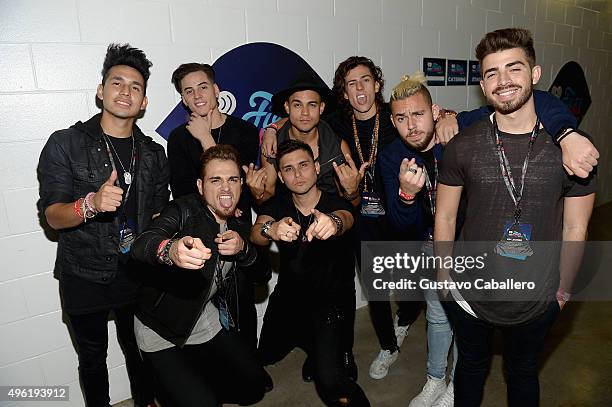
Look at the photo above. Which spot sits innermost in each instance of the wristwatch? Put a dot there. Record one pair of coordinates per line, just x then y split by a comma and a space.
338, 221
265, 228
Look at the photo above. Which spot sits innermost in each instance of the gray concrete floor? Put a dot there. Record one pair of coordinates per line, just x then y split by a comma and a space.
575, 371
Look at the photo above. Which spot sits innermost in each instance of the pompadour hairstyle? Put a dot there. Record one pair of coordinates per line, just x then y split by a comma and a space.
409, 86
125, 54
185, 69
339, 80
507, 38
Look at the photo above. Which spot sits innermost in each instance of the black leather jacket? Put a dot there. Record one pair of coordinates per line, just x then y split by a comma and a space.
75, 162
172, 299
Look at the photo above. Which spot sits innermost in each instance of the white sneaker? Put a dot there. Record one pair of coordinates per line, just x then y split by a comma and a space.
400, 331
448, 398
380, 366
433, 389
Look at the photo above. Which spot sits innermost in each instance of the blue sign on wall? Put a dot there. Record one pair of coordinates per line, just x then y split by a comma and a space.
474, 76
435, 71
456, 72
248, 76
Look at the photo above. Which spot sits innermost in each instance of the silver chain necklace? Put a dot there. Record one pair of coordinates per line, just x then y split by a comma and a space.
127, 175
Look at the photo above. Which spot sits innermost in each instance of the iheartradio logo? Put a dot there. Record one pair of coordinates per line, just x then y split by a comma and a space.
227, 102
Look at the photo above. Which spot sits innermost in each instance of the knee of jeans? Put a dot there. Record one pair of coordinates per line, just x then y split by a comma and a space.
436, 316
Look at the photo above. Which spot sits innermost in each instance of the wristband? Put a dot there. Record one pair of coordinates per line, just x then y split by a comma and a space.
89, 210
563, 133
406, 197
77, 208
273, 126
338, 221
351, 197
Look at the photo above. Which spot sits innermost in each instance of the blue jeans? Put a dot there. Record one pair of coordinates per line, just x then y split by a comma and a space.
439, 337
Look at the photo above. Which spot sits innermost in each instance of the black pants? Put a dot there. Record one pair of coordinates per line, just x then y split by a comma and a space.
90, 333
222, 370
296, 320
382, 319
522, 343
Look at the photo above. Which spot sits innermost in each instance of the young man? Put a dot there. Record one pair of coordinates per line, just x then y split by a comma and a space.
101, 183
306, 308
303, 103
206, 128
517, 194
415, 157
185, 312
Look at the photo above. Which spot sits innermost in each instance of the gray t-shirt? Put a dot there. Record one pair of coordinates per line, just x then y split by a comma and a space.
470, 160
206, 327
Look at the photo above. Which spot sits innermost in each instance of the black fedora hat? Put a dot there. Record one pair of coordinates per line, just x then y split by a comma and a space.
304, 81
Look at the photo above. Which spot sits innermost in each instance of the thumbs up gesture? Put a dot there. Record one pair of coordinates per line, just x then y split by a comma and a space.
322, 228
108, 198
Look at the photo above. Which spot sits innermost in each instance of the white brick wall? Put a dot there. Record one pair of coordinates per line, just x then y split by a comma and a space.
50, 60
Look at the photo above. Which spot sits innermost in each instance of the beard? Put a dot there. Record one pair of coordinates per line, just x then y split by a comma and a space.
511, 106
420, 145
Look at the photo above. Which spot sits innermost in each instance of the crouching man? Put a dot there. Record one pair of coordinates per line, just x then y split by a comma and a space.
316, 274
184, 324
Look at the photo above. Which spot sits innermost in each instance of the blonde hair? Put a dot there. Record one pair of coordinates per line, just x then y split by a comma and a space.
409, 86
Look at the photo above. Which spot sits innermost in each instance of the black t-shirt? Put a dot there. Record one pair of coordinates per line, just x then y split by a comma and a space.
121, 148
184, 152
322, 266
470, 160
367, 228
86, 296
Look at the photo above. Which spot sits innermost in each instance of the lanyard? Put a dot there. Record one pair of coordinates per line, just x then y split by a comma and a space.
515, 194
432, 187
373, 150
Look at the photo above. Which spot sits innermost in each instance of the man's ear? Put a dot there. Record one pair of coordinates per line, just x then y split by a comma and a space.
482, 88
286, 107
280, 176
321, 108
100, 92
145, 102
376, 86
536, 73
200, 186
216, 89
435, 111
317, 167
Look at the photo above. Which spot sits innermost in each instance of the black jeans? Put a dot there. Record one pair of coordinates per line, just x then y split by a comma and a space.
222, 370
522, 343
90, 333
382, 319
296, 320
